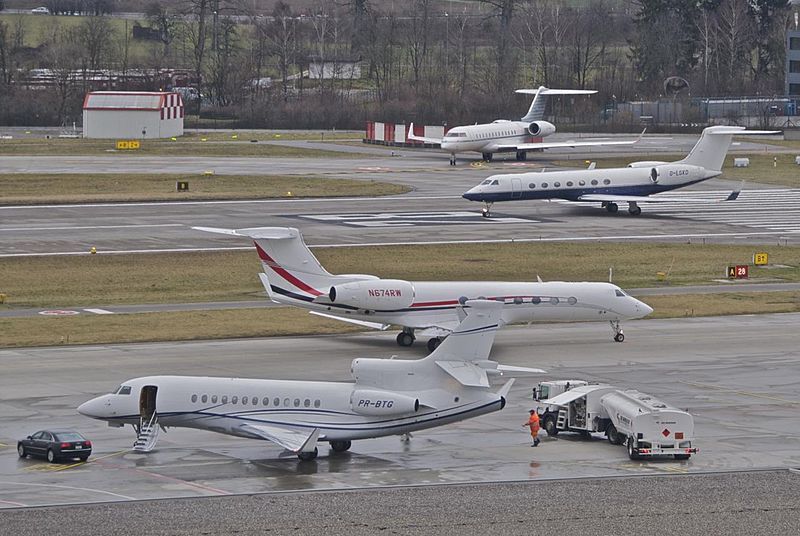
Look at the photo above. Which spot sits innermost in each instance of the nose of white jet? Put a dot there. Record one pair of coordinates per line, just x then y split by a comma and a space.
94, 408
641, 308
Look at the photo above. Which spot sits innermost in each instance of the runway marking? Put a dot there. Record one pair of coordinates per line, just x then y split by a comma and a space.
77, 228
12, 503
99, 311
90, 490
184, 482
778, 233
411, 219
739, 392
59, 312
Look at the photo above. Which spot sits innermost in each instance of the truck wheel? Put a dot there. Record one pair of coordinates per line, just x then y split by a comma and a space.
633, 454
550, 426
682, 456
612, 435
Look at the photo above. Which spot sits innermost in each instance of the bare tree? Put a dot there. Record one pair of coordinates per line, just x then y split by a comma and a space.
165, 20
94, 34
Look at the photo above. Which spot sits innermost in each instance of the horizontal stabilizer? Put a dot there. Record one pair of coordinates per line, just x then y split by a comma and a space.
549, 91
735, 194
512, 368
423, 139
271, 233
289, 438
741, 131
364, 323
466, 373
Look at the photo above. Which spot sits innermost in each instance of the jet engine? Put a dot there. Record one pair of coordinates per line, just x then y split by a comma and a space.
541, 128
375, 402
374, 294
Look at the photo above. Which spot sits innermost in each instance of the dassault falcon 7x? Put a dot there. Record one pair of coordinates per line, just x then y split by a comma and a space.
386, 396
293, 276
633, 184
503, 135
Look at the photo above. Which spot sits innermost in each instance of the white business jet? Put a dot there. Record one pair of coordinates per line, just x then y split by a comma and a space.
508, 136
293, 276
386, 396
633, 184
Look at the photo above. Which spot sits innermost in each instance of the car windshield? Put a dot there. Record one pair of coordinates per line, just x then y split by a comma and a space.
68, 436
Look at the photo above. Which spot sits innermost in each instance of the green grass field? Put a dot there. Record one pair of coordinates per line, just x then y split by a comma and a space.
83, 281
24, 188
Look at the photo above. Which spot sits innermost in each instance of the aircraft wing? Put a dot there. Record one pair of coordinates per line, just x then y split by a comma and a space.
609, 198
467, 374
558, 144
364, 323
423, 139
289, 438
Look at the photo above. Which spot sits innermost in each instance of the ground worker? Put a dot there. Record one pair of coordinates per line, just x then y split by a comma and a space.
533, 424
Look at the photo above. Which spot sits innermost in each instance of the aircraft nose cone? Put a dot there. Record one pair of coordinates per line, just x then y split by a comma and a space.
643, 308
473, 194
91, 408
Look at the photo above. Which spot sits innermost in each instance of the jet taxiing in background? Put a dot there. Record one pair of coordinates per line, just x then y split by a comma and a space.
293, 276
386, 396
633, 184
508, 136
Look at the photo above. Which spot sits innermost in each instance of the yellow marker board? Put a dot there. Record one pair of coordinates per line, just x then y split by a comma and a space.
125, 145
760, 259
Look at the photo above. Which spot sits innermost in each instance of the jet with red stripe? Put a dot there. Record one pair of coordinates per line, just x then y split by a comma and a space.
293, 276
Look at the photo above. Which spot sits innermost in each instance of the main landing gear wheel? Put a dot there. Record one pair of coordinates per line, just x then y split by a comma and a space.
487, 157
434, 343
612, 208
522, 156
405, 339
634, 209
340, 446
308, 456
619, 337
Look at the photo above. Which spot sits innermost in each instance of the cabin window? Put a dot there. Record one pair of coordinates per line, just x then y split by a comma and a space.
194, 399
594, 182
532, 185
582, 183
286, 402
265, 401
224, 399
255, 401
234, 399
606, 181
554, 300
557, 185
244, 400
276, 401
307, 403
204, 399
544, 185
297, 402
569, 183
517, 300
572, 300
213, 399
317, 403
536, 300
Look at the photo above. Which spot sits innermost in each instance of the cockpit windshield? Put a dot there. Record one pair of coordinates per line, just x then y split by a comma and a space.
487, 181
122, 390
619, 293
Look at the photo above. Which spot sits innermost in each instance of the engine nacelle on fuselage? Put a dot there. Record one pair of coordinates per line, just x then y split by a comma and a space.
377, 402
381, 294
541, 128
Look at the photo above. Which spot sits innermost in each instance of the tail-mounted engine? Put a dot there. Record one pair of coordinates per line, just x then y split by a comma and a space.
379, 294
541, 128
377, 402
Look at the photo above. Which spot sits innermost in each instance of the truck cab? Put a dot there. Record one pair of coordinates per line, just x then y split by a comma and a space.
575, 410
545, 390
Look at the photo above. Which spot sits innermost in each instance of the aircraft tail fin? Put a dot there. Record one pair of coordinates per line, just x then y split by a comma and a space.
536, 111
291, 269
473, 338
710, 150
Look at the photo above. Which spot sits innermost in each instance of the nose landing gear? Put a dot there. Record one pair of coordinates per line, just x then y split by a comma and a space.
619, 336
486, 211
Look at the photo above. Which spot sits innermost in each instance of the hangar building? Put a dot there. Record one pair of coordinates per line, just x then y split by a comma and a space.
132, 115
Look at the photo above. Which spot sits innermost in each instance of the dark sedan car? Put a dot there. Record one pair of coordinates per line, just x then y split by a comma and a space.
55, 445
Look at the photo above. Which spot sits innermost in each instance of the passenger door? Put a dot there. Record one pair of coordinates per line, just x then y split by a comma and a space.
516, 188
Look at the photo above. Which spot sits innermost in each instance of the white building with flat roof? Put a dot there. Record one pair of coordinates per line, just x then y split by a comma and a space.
132, 115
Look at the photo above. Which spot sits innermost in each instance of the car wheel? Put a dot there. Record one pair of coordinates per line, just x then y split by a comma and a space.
83, 458
51, 456
21, 451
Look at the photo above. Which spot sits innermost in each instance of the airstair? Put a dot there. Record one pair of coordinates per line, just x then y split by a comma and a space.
561, 423
147, 434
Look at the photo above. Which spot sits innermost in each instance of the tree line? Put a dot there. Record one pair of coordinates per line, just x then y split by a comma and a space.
421, 60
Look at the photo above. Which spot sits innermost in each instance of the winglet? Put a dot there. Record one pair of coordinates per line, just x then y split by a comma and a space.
505, 388
735, 193
592, 165
311, 442
641, 135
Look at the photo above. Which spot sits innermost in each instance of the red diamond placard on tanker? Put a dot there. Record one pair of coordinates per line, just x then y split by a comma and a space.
665, 432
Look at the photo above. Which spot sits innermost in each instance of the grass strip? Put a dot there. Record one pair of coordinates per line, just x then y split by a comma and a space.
84, 281
287, 321
183, 146
777, 168
23, 188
